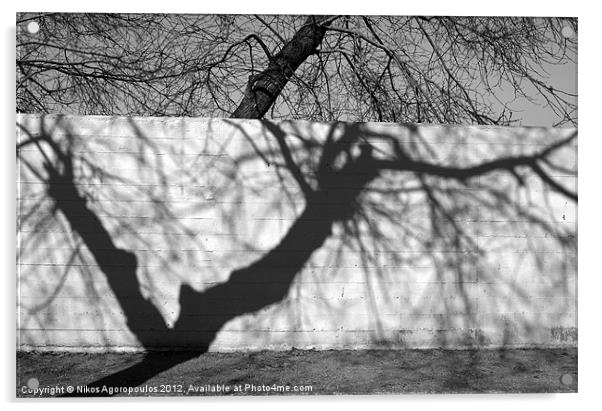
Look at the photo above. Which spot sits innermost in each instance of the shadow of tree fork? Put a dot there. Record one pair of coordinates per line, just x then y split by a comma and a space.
204, 313
215, 305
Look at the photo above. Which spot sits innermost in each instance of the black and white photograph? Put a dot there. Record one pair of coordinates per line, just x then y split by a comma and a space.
295, 204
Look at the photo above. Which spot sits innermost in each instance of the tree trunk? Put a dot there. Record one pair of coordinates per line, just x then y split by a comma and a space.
264, 88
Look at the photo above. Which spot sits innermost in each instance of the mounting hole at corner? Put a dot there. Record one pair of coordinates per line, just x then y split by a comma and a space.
567, 32
33, 27
566, 379
33, 383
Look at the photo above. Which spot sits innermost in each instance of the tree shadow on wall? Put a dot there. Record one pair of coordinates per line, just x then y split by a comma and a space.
351, 178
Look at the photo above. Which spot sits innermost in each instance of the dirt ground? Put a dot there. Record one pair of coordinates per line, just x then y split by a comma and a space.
312, 372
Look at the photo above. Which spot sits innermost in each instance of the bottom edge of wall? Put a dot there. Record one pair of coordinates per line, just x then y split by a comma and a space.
135, 349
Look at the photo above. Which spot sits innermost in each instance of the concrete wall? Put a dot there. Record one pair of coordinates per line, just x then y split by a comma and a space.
194, 201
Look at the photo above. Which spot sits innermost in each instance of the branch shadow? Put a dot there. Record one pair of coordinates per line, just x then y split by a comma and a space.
343, 195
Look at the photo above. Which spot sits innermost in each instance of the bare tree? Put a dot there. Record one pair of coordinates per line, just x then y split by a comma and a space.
357, 68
